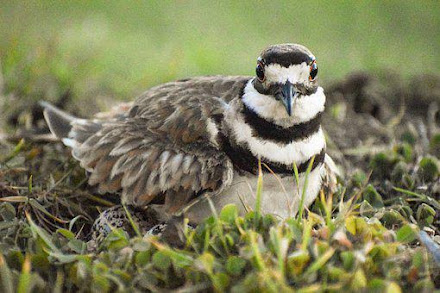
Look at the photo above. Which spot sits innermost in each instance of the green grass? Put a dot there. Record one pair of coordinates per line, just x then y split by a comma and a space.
363, 237
119, 49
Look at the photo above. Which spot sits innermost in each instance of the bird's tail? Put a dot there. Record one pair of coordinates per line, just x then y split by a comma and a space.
59, 122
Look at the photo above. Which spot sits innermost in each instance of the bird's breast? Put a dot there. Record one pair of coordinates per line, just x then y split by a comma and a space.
247, 139
280, 195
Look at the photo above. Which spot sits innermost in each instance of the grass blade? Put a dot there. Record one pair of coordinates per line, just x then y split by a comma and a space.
306, 183
59, 282
259, 262
259, 189
15, 198
35, 204
320, 262
132, 222
30, 183
422, 197
43, 234
15, 151
24, 282
6, 277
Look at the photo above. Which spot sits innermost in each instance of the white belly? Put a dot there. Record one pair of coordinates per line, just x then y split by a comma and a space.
280, 196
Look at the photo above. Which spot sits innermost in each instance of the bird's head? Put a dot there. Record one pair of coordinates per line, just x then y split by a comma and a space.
286, 72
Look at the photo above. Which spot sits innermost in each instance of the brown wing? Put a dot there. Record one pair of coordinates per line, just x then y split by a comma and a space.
162, 146
180, 109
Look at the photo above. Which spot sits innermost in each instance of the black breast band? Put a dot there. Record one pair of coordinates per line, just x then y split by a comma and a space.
266, 130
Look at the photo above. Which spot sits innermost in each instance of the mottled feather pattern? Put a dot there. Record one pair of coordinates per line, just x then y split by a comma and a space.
160, 146
181, 108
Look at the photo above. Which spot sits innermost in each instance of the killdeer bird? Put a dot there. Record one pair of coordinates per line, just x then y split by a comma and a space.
185, 145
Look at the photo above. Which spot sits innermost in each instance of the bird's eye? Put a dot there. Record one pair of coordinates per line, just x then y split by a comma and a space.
260, 72
313, 70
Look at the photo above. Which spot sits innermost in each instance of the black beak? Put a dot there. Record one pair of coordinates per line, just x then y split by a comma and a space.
287, 95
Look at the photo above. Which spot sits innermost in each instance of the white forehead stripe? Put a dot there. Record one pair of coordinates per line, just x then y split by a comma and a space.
293, 73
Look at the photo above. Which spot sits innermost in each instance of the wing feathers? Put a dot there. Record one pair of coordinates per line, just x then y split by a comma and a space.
143, 165
158, 146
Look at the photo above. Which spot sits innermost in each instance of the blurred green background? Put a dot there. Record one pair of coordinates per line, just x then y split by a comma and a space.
119, 48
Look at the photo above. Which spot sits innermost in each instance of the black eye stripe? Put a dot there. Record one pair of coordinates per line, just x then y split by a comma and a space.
314, 73
260, 72
313, 70
275, 88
